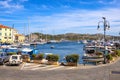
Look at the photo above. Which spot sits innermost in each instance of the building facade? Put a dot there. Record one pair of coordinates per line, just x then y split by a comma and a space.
7, 34
19, 38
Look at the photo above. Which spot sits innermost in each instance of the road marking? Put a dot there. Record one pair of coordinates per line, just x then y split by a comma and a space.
58, 67
71, 68
22, 66
43, 67
32, 66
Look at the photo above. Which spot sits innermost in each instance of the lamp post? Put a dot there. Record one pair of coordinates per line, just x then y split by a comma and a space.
119, 37
106, 26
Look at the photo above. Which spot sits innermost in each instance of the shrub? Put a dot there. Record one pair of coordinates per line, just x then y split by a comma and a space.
117, 52
11, 53
33, 56
25, 57
113, 54
109, 57
40, 56
74, 58
52, 57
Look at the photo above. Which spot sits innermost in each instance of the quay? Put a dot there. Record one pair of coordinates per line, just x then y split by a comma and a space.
100, 72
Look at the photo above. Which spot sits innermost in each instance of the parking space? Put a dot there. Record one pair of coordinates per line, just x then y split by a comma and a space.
44, 67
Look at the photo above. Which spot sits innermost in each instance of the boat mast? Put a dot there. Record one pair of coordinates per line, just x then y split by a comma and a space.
29, 31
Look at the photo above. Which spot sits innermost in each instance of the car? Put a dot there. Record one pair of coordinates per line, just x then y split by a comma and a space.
14, 60
3, 56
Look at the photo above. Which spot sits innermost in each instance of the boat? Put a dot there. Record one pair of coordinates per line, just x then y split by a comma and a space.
84, 41
25, 44
41, 43
29, 51
11, 49
52, 41
52, 47
34, 43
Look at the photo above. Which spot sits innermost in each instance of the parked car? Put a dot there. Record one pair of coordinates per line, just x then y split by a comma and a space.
3, 56
14, 60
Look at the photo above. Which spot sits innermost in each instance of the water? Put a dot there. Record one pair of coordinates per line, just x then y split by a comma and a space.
62, 49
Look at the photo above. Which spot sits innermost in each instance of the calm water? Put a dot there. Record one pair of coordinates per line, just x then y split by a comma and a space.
62, 49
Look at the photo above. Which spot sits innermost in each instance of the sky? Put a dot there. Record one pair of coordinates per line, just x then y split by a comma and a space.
60, 16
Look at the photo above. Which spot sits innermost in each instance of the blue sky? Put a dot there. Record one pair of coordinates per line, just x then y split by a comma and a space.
60, 16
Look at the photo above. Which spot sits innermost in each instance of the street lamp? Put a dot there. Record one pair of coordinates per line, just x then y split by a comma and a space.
106, 26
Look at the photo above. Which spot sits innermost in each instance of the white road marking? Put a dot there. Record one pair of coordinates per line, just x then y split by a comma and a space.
32, 66
22, 66
72, 68
58, 67
43, 67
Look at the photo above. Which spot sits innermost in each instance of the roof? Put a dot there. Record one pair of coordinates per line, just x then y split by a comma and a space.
2, 26
19, 35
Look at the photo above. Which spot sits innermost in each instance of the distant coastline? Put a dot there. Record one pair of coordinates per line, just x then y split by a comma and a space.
72, 36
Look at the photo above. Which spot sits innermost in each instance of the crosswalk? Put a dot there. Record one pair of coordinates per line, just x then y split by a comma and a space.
43, 67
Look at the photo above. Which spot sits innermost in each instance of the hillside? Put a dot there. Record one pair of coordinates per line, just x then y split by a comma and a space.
71, 36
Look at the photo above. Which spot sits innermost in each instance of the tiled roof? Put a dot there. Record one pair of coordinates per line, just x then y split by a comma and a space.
2, 26
19, 35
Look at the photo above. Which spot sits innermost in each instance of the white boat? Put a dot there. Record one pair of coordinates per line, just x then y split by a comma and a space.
5, 46
52, 47
48, 53
27, 50
84, 41
25, 44
52, 41
40, 42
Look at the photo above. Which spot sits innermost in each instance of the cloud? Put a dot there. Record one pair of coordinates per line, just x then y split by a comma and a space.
76, 21
9, 6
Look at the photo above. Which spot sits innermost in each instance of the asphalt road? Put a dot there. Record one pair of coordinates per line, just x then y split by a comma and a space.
110, 72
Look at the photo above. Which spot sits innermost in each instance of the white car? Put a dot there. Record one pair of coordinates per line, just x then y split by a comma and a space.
14, 60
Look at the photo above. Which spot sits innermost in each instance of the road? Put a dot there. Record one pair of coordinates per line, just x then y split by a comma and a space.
109, 72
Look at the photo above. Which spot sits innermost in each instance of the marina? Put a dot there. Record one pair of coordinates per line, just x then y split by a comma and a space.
59, 40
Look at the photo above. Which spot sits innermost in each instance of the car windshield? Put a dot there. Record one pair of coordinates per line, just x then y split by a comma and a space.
14, 57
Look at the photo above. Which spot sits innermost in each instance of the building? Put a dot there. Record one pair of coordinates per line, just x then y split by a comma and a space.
8, 34
19, 38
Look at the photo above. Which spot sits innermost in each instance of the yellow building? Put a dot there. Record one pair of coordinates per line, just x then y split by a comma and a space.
19, 38
8, 35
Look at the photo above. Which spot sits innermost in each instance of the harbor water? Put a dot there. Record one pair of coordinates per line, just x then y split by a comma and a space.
62, 49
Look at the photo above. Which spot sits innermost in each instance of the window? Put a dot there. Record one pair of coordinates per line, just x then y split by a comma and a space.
0, 34
9, 37
14, 57
5, 34
5, 29
5, 37
0, 28
10, 34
